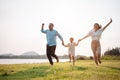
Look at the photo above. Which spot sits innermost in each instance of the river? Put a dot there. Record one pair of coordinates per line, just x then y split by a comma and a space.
27, 61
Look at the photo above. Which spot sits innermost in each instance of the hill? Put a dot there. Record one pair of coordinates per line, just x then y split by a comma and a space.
31, 53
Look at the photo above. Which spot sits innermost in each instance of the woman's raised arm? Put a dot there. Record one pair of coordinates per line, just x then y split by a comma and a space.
107, 24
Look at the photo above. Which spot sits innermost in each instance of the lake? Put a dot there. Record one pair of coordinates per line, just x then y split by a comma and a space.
27, 61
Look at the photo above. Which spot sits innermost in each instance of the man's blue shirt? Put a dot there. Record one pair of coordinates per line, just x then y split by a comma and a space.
51, 36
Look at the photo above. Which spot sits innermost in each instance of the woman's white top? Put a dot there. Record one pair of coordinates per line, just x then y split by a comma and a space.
95, 34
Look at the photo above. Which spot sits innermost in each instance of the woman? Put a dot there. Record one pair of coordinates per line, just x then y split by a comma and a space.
95, 44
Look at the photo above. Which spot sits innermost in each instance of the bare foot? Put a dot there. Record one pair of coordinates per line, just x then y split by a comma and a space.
100, 61
57, 60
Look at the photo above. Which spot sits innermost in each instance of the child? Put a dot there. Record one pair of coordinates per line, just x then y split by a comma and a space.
71, 49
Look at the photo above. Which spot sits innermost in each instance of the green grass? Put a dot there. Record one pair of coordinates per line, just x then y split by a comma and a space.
83, 70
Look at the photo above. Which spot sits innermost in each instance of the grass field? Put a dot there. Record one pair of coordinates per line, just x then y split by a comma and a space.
83, 70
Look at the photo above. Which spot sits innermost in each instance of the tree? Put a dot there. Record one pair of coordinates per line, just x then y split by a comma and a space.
113, 51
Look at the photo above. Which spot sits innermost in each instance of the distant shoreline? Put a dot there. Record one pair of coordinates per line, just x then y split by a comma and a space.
29, 57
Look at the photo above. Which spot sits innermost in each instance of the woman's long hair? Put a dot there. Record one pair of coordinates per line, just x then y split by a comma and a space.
98, 25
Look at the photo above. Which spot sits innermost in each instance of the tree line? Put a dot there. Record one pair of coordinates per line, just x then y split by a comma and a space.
113, 52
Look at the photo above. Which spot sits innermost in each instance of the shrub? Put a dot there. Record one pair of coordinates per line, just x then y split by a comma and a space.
109, 57
113, 51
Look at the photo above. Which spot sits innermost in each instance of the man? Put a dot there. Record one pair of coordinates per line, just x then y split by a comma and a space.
51, 41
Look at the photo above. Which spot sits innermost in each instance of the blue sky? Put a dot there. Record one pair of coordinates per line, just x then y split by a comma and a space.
20, 24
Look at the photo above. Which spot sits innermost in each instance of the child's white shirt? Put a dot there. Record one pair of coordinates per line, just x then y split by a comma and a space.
71, 48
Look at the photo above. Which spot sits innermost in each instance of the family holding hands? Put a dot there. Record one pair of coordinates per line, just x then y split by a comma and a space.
95, 34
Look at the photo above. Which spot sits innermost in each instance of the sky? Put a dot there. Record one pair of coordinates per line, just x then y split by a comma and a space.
21, 20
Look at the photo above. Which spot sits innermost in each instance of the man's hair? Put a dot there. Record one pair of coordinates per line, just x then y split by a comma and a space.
51, 24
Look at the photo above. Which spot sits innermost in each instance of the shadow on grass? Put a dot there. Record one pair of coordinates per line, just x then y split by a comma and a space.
114, 68
41, 71
79, 68
34, 72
